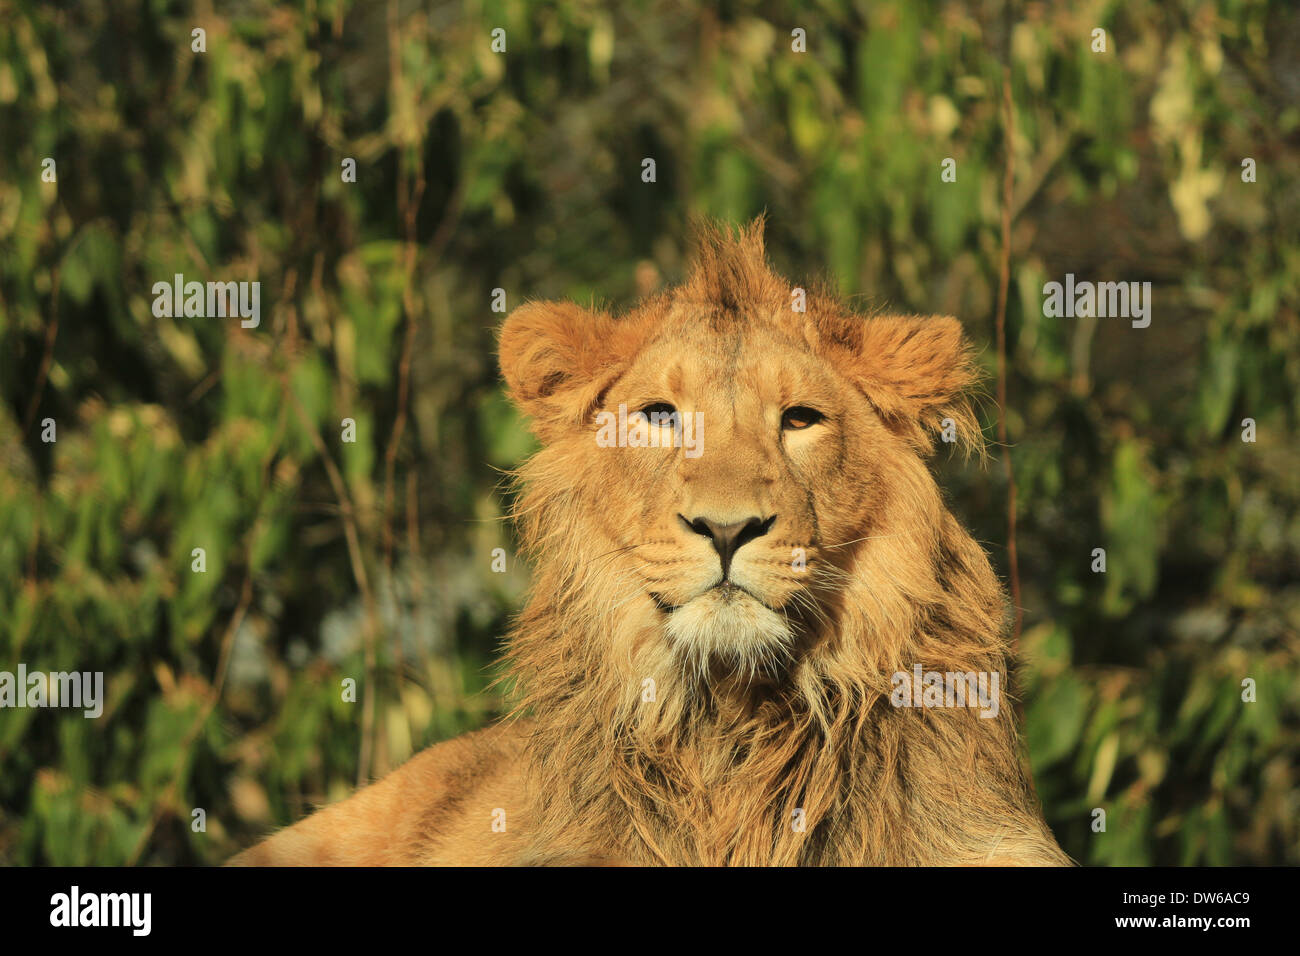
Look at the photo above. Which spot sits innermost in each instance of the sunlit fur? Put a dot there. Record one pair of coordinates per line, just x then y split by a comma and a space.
662, 720
756, 713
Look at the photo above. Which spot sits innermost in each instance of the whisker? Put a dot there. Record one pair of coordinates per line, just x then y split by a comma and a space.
869, 537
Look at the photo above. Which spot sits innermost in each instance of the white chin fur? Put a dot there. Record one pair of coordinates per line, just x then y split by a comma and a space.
730, 628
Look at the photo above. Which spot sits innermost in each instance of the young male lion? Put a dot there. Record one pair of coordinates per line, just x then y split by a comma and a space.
730, 591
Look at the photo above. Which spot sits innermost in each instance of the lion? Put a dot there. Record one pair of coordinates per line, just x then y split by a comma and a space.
742, 565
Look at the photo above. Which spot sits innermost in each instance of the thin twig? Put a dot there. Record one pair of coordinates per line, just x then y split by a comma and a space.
370, 626
357, 560
408, 206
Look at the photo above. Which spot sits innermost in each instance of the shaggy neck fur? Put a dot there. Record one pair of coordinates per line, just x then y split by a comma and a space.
810, 764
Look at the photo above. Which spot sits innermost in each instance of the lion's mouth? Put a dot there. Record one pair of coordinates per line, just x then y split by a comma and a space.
727, 591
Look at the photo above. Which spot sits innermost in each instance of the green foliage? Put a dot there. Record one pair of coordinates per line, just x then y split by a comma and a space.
328, 559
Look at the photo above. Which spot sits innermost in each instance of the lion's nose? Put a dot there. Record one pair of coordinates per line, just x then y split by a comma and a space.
729, 538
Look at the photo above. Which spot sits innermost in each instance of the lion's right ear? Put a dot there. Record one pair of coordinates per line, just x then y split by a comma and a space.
918, 371
558, 358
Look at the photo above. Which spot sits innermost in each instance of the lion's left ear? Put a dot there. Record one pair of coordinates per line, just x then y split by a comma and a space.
557, 359
918, 371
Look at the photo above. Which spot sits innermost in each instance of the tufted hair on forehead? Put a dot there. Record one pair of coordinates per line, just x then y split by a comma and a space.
919, 372
730, 272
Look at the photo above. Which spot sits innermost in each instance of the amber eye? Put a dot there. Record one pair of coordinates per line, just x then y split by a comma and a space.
660, 413
799, 417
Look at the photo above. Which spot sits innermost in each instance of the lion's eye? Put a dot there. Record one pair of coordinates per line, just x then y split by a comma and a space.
799, 417
660, 413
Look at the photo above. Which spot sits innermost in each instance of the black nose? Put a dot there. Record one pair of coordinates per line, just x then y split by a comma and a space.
729, 538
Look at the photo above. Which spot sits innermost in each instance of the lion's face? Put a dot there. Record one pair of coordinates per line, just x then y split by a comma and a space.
760, 457
719, 465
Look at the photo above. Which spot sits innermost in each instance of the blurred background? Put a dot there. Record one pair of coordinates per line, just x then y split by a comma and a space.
522, 171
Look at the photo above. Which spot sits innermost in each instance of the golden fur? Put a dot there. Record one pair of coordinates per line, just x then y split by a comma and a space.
674, 711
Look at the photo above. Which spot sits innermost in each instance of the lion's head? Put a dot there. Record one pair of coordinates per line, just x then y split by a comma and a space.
727, 449
738, 543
